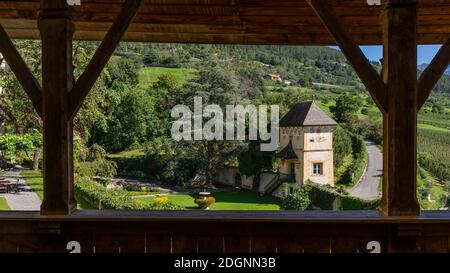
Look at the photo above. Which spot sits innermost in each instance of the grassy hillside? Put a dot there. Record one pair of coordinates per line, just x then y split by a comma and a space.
149, 75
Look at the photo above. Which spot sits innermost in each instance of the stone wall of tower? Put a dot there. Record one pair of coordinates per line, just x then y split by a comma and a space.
318, 143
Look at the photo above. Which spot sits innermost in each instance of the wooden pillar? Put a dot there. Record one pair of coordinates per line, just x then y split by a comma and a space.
399, 23
56, 28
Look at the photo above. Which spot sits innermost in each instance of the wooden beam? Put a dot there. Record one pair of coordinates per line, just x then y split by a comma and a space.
101, 57
431, 75
21, 71
352, 52
57, 30
399, 24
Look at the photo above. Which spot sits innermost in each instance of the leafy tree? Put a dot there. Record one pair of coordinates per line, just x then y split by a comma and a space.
438, 108
342, 145
23, 146
345, 109
252, 162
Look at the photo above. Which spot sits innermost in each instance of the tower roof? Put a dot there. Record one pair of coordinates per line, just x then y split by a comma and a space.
306, 114
287, 152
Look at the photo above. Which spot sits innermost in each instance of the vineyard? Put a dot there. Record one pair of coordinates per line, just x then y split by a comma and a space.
434, 144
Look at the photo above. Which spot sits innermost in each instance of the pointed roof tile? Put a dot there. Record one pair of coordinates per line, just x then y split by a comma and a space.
306, 114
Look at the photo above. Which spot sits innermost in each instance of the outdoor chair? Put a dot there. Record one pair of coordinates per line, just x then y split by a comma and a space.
4, 186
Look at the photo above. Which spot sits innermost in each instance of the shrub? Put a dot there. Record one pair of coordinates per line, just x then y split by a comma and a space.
109, 199
168, 206
299, 200
353, 203
320, 196
161, 201
204, 203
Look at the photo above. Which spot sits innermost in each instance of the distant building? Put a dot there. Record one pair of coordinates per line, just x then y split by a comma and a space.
273, 77
305, 153
306, 145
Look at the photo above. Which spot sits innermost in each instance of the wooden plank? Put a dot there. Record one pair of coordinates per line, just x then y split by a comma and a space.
352, 52
102, 55
21, 71
210, 244
158, 243
237, 244
431, 75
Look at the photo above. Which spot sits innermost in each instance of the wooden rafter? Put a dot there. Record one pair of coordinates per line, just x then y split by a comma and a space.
21, 71
368, 75
431, 75
101, 57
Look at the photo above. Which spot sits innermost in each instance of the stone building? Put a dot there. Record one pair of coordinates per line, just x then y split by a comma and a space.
305, 153
306, 145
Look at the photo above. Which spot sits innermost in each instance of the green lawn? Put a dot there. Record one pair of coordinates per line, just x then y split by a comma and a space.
35, 181
230, 200
128, 154
149, 75
3, 204
431, 127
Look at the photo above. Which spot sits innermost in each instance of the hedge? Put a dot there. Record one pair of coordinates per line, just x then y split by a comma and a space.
95, 193
356, 170
353, 203
324, 197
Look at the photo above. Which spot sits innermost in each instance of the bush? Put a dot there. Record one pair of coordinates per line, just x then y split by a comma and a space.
109, 199
161, 201
167, 206
320, 196
299, 200
324, 196
353, 203
204, 203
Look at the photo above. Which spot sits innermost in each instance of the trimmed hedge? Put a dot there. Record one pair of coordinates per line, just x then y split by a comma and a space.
356, 170
353, 203
324, 197
95, 193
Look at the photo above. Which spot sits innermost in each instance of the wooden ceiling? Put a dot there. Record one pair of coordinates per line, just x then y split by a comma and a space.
289, 22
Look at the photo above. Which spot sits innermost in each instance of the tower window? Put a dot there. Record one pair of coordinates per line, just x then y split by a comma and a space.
318, 168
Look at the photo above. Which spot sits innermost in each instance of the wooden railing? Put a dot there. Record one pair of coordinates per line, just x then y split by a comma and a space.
223, 232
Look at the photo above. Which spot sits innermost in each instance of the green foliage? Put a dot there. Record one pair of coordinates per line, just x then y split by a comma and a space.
346, 107
22, 146
342, 145
434, 153
109, 199
93, 162
122, 74
323, 197
252, 162
356, 169
348, 202
298, 200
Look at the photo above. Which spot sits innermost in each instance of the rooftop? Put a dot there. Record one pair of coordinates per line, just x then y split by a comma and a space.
306, 114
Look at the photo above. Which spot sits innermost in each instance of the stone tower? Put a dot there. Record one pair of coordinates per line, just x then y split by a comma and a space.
306, 144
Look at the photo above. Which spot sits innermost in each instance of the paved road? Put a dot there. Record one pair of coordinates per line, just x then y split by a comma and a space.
367, 188
24, 200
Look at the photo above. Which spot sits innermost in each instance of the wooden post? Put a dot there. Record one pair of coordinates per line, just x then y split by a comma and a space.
399, 23
57, 30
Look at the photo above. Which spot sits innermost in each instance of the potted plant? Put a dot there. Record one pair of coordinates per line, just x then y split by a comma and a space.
205, 202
